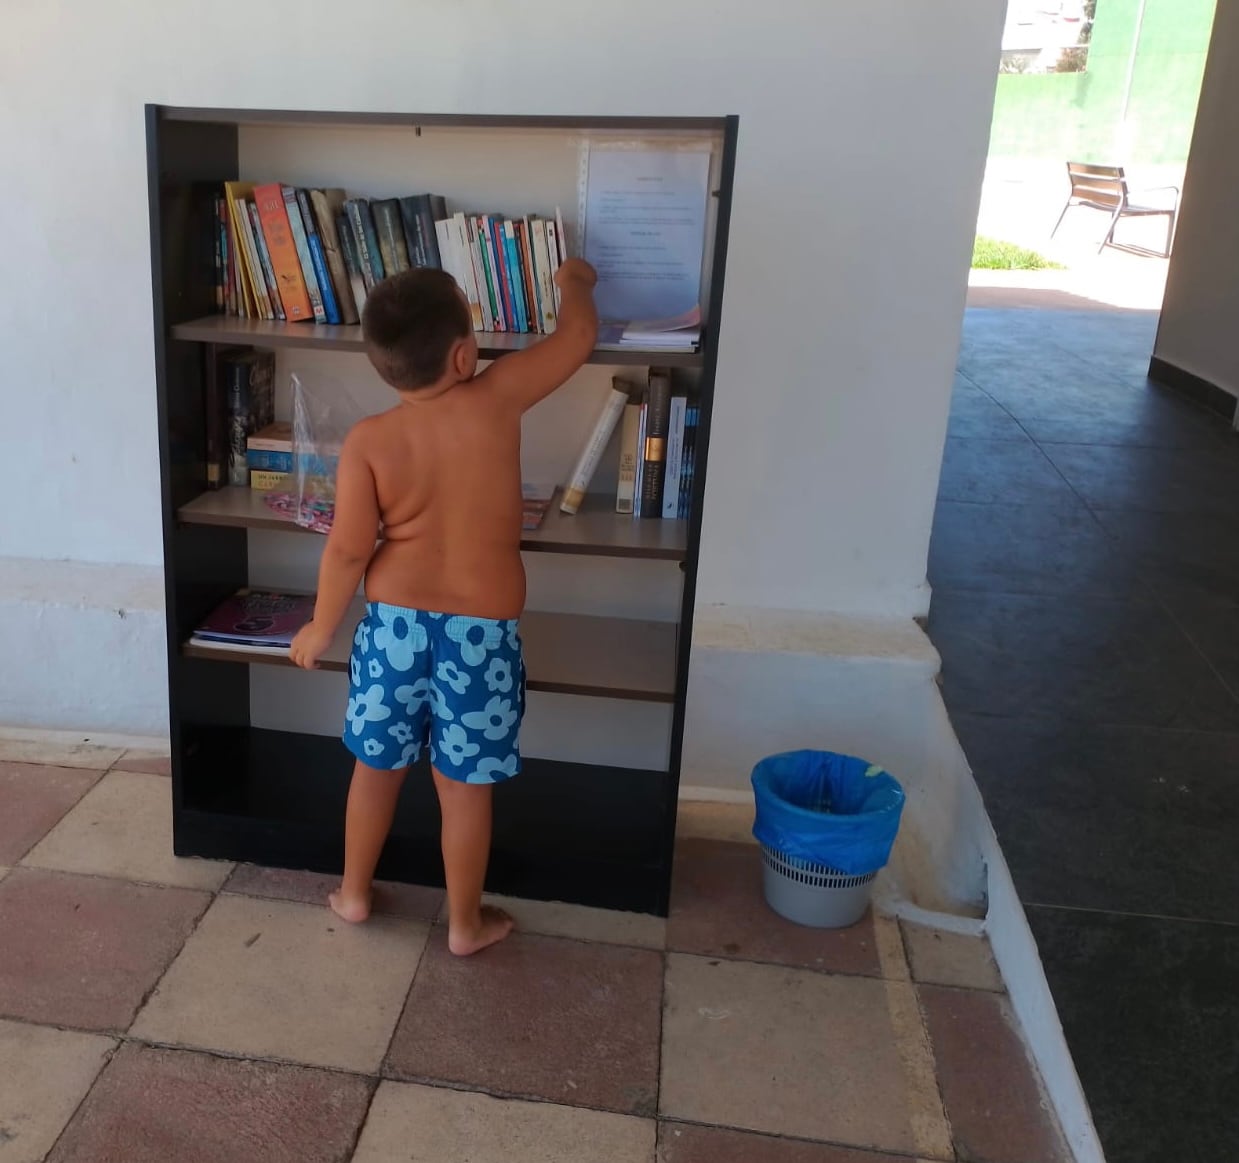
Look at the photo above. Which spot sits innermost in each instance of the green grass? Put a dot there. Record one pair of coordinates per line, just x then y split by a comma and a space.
991, 255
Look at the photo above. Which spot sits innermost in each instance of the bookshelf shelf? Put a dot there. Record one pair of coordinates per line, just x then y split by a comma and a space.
227, 329
569, 654
252, 777
596, 531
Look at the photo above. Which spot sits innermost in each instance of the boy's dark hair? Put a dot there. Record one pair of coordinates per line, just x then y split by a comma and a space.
410, 322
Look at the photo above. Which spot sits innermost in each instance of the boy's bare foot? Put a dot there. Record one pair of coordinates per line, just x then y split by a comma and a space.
353, 909
494, 925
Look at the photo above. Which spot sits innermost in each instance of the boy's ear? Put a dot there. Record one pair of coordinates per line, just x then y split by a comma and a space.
462, 358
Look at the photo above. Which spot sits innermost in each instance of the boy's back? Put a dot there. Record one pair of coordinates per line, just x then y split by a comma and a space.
447, 479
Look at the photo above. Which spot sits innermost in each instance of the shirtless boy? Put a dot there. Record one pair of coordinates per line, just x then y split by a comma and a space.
436, 660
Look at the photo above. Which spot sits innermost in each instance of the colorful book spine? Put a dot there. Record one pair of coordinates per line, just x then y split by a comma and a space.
690, 459
468, 233
512, 263
387, 225
358, 270
327, 205
217, 253
258, 281
264, 258
282, 249
491, 258
599, 437
318, 259
639, 483
675, 457
293, 209
411, 219
236, 194
249, 381
495, 226
262, 458
524, 245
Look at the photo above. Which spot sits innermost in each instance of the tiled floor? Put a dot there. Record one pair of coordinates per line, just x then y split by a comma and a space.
154, 1010
1085, 565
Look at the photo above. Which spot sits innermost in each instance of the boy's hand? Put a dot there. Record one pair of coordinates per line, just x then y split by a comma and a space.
576, 269
309, 646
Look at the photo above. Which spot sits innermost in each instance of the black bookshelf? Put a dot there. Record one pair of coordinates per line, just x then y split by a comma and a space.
585, 833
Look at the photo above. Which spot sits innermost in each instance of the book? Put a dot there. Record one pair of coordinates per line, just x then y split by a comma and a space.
358, 229
390, 231
512, 262
215, 425
458, 233
247, 296
256, 281
217, 254
561, 243
249, 384
419, 223
275, 437
599, 437
447, 253
675, 457
535, 501
264, 258
270, 481
483, 320
352, 261
370, 236
546, 288
258, 458
327, 206
524, 249
638, 485
269, 201
494, 272
435, 210
254, 617
691, 417
317, 258
626, 490
658, 416
295, 224
499, 254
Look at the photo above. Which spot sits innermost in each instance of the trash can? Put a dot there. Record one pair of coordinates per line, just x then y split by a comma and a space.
826, 824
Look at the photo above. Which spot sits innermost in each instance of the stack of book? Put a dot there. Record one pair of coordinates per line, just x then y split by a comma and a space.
657, 448
297, 255
262, 621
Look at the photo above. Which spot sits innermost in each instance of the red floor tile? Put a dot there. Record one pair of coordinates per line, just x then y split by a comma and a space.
718, 910
83, 951
991, 1092
311, 888
34, 799
682, 1143
173, 1106
537, 1017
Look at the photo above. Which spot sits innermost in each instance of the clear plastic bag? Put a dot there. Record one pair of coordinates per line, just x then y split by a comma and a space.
827, 809
322, 417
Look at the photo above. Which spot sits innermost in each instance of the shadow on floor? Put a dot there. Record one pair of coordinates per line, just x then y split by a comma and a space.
1085, 568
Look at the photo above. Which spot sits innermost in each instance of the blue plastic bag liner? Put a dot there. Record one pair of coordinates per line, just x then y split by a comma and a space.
827, 809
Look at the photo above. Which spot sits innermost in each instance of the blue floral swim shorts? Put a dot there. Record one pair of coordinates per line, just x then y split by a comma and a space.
457, 684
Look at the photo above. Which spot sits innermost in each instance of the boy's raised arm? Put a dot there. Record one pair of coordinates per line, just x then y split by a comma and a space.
528, 376
350, 545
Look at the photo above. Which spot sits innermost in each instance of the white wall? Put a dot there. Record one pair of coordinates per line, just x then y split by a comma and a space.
1196, 332
845, 289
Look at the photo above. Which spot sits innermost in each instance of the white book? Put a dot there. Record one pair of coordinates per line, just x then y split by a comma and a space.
474, 246
447, 252
464, 266
591, 454
542, 263
561, 245
675, 457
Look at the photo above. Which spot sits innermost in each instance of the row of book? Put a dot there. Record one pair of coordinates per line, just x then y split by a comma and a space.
298, 255
658, 424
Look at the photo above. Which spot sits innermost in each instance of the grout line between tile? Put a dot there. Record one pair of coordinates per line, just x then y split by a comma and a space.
107, 1061
927, 1117
1128, 913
